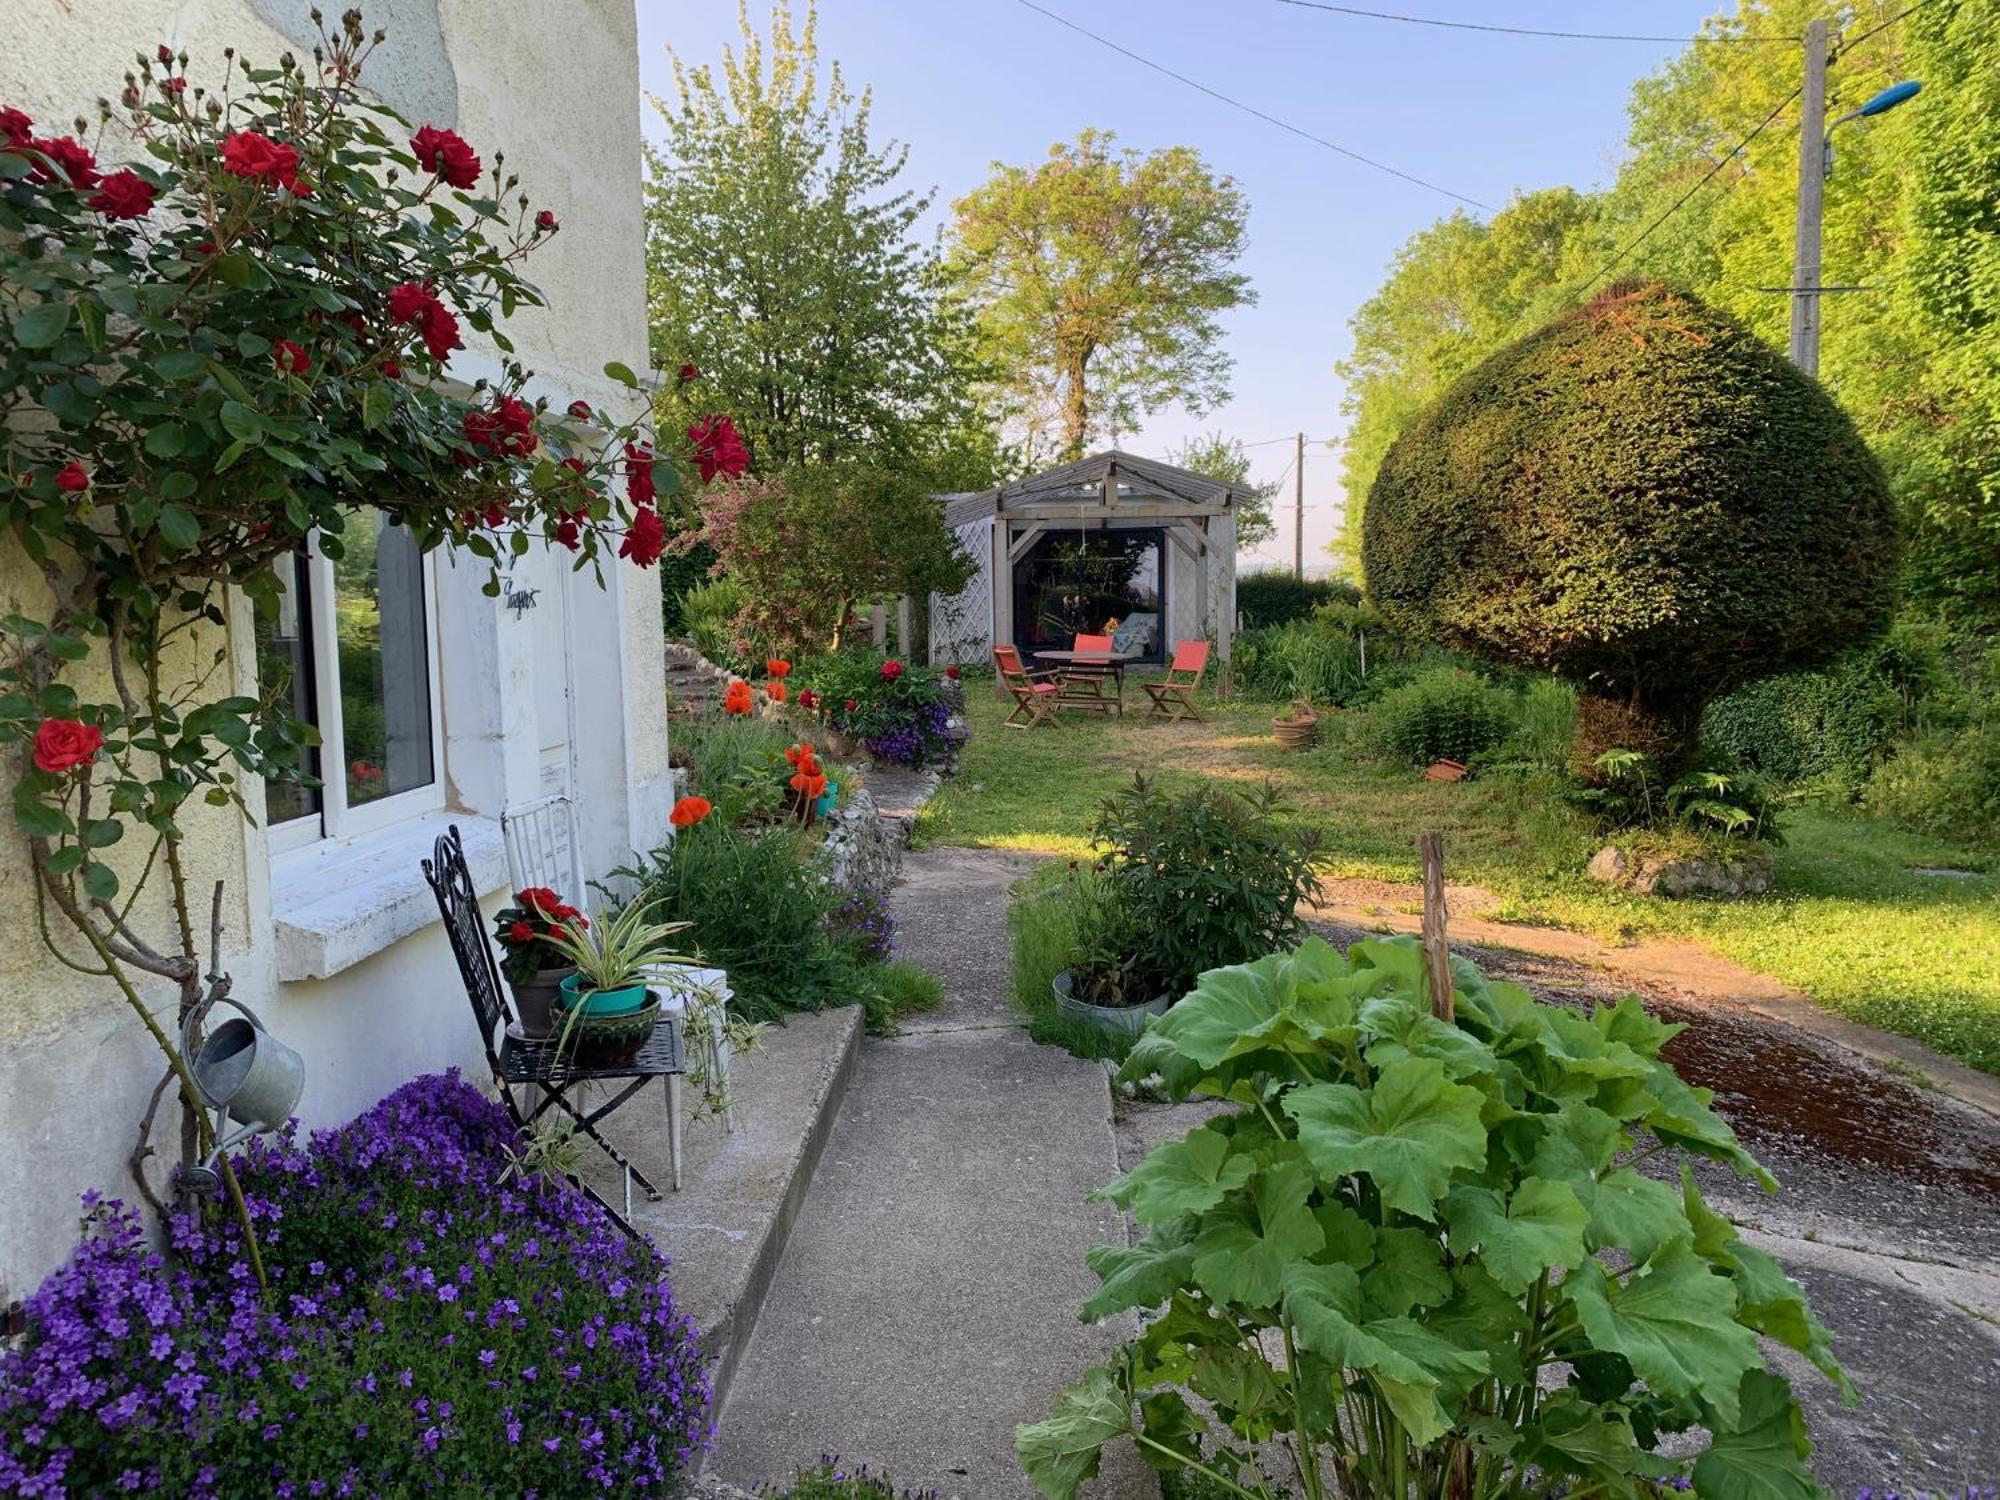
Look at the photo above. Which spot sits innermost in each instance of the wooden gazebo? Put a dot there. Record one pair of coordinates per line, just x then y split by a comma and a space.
1175, 528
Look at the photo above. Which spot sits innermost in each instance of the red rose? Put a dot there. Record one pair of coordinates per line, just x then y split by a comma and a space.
687, 373
413, 302
78, 166
16, 127
545, 220
520, 932
568, 533
574, 465
175, 85
62, 745
891, 670
391, 370
73, 478
290, 358
639, 474
718, 448
952, 671
645, 539
446, 154
258, 158
440, 330
580, 410
408, 301
123, 195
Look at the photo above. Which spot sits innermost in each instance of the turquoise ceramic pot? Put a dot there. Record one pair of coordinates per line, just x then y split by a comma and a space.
827, 800
602, 1002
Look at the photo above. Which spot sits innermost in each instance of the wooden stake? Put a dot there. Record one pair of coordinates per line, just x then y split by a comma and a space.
1437, 957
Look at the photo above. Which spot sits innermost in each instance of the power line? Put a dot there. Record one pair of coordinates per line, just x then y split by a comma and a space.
1251, 109
1673, 208
1847, 45
1573, 36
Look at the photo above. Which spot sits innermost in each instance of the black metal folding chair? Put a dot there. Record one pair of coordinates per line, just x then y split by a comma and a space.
540, 1062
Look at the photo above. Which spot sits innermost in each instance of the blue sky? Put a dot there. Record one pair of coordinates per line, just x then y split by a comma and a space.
969, 82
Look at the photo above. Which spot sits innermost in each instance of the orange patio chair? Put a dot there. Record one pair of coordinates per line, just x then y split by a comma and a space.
1096, 686
1174, 698
1036, 697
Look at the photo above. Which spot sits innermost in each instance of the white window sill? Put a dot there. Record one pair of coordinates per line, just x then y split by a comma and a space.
338, 902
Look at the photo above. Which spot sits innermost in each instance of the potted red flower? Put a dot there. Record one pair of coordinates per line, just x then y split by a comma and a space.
535, 967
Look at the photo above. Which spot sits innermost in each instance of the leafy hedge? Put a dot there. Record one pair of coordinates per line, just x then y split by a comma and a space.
1444, 713
438, 1326
1644, 497
1274, 598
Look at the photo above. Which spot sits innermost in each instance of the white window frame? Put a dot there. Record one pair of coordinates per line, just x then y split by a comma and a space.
337, 821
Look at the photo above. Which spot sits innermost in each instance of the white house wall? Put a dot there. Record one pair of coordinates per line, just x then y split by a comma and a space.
359, 978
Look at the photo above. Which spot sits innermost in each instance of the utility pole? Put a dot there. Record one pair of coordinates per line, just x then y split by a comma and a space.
1299, 509
1812, 195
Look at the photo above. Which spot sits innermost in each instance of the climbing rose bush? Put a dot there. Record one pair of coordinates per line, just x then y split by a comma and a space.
437, 1326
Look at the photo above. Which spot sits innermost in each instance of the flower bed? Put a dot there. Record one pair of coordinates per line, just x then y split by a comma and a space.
436, 1324
902, 714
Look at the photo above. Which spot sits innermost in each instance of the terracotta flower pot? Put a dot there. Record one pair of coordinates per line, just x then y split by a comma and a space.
532, 997
1296, 731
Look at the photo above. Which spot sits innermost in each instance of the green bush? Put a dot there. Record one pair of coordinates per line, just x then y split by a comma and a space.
1299, 660
1440, 714
1544, 724
759, 906
709, 614
899, 989
1044, 923
1646, 498
1187, 882
737, 762
1402, 1223
1274, 598
1944, 784
681, 571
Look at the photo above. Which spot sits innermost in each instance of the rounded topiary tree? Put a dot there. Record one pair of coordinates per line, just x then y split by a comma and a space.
1643, 497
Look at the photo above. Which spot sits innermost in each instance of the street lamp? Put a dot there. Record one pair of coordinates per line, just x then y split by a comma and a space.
1881, 104
1815, 162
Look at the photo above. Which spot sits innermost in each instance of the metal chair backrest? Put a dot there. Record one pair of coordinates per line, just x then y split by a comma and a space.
1190, 657
1093, 643
542, 847
465, 925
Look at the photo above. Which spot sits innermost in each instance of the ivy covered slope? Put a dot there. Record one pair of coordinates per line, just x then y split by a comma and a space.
1643, 497
1405, 1223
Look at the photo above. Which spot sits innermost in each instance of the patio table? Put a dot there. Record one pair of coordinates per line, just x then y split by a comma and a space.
1094, 662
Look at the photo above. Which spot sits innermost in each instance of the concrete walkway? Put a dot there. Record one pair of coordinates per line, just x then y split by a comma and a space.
927, 1302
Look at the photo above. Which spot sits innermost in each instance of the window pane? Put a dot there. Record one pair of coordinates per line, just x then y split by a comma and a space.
385, 683
285, 663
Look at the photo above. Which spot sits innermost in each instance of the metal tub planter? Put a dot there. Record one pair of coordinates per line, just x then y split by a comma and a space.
1128, 1019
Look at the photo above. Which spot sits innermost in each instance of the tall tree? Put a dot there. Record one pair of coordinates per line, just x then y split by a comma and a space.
1098, 279
1219, 456
782, 262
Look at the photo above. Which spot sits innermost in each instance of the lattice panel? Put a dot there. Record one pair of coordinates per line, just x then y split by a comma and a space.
962, 624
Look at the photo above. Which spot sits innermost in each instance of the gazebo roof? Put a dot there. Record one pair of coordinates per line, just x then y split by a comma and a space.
1112, 477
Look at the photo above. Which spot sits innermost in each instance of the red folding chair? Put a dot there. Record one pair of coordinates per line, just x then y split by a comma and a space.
1174, 698
1093, 685
1036, 695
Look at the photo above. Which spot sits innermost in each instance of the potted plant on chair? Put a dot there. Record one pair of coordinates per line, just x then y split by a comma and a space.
534, 965
605, 1010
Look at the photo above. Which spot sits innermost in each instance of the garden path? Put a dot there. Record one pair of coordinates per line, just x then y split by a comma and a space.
927, 1300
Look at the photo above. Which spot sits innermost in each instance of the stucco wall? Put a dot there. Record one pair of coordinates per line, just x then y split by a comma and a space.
562, 101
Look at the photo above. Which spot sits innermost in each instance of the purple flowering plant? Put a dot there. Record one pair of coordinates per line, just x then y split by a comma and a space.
905, 719
434, 1327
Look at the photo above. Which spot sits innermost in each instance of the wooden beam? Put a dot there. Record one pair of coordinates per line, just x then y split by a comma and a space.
1223, 550
1001, 566
1025, 540
1164, 509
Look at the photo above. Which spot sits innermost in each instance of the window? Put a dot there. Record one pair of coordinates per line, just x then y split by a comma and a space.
1110, 581
353, 641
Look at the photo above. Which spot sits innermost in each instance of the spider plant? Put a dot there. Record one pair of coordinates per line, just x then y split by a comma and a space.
620, 950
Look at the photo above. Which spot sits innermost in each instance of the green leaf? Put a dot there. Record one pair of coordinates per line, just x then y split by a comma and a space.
91, 315
1061, 1451
1762, 1455
1631, 1212
1187, 1176
1539, 1228
1143, 1275
1409, 1133
622, 373
1241, 1255
1408, 1272
241, 423
179, 528
376, 404
1241, 1385
101, 833
1675, 1320
166, 440
1683, 1118
37, 819
41, 325
180, 364
100, 882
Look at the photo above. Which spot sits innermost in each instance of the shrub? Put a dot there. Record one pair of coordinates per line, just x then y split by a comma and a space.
738, 763
1442, 713
1044, 922
1186, 882
1646, 498
1404, 1223
760, 906
1544, 724
1300, 660
681, 571
708, 615
902, 713
437, 1326
1275, 598
1943, 784
1727, 804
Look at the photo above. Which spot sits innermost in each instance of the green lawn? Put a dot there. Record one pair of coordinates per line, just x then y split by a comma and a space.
1849, 922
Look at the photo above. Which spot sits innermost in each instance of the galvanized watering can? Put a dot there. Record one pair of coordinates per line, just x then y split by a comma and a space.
244, 1074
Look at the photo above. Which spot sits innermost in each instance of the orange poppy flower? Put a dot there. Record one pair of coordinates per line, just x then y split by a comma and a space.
799, 752
775, 691
736, 698
777, 667
690, 811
